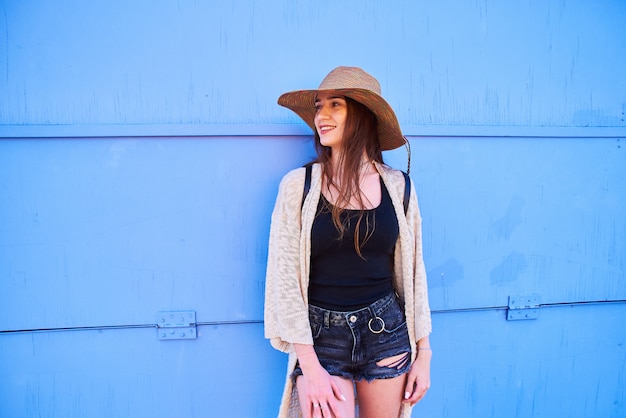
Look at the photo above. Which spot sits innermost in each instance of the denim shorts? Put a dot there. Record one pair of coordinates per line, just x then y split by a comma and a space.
349, 344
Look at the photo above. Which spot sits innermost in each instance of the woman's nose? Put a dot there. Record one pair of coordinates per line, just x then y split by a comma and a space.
322, 113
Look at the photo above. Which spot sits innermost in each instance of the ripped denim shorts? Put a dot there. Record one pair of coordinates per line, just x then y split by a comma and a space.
350, 344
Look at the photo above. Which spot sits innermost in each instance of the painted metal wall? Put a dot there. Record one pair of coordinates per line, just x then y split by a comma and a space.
141, 152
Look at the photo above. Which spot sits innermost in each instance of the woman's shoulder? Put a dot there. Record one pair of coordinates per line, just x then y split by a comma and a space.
292, 186
293, 178
393, 174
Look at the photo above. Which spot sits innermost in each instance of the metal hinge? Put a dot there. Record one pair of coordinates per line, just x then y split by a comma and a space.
523, 307
176, 325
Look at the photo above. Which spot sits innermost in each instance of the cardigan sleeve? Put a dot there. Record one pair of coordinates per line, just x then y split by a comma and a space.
423, 322
286, 314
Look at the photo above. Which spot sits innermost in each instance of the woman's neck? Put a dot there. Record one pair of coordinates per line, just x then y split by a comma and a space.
337, 163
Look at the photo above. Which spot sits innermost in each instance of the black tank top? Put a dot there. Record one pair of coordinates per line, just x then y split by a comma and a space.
340, 279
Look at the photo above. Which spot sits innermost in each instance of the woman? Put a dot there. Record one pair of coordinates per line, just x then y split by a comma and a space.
346, 292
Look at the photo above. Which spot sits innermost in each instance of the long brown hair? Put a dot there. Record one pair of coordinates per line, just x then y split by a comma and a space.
360, 134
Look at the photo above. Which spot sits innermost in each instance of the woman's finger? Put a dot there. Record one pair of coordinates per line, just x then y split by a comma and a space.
337, 390
320, 410
418, 393
409, 389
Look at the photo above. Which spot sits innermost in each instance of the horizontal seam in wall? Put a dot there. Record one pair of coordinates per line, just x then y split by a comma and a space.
260, 321
290, 130
119, 327
543, 305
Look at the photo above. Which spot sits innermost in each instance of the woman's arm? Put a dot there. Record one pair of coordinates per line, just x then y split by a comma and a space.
286, 314
418, 381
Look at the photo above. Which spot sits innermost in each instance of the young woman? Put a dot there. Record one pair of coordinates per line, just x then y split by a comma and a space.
346, 292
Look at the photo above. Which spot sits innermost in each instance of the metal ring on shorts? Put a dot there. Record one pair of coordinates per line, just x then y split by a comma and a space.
382, 328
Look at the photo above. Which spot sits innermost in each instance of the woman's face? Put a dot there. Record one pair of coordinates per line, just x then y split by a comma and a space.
330, 118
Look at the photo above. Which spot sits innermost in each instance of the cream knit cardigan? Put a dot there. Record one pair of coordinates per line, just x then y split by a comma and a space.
287, 280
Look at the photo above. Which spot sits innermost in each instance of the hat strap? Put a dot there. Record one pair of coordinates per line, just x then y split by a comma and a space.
408, 151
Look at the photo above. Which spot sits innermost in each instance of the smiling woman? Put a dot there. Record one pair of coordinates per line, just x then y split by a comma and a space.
346, 292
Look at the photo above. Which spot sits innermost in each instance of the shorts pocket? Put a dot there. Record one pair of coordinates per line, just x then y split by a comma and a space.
393, 318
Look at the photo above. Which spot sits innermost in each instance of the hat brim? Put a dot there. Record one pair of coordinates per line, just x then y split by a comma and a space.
302, 102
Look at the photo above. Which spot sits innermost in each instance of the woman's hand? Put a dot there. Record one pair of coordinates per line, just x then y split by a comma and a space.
319, 395
318, 391
418, 381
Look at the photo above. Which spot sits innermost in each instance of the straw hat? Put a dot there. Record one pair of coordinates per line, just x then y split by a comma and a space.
358, 85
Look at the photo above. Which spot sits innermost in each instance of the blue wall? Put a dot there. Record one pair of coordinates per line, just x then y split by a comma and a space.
140, 152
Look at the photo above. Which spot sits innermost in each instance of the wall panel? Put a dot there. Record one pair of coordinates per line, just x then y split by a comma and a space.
179, 223
522, 215
520, 63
